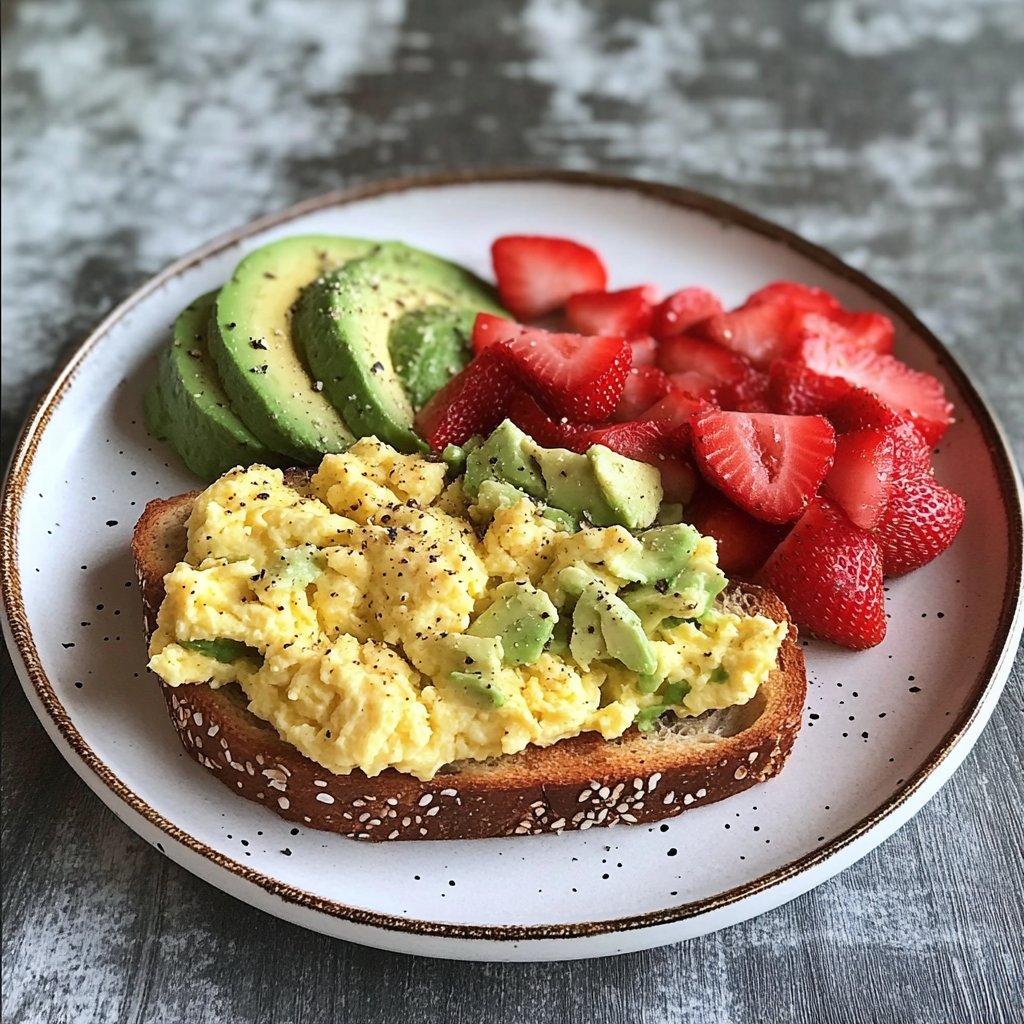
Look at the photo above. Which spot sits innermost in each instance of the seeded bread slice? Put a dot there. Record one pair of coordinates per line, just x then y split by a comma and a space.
576, 783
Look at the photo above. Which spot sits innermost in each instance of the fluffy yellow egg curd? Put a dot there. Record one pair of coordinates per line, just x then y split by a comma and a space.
352, 613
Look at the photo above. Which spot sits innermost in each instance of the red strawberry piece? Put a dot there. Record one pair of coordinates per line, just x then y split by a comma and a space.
912, 455
861, 476
761, 333
828, 573
616, 313
638, 439
682, 309
744, 543
645, 350
769, 465
921, 520
675, 412
795, 390
548, 432
573, 376
472, 402
537, 274
747, 395
864, 330
858, 409
489, 329
645, 385
684, 353
916, 396
696, 385
679, 479
799, 297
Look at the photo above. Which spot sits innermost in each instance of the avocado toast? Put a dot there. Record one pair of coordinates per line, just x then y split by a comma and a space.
651, 771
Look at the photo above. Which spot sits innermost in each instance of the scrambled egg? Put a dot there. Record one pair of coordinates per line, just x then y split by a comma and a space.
337, 593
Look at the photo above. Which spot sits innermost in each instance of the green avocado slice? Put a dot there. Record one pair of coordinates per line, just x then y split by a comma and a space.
344, 321
428, 347
252, 343
222, 649
188, 407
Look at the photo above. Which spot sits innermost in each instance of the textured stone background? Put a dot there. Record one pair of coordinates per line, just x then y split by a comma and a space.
892, 133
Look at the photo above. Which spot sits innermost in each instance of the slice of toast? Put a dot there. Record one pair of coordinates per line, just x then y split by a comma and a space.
575, 783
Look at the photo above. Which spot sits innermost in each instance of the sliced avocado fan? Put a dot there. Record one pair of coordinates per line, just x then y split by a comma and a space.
344, 322
251, 341
188, 407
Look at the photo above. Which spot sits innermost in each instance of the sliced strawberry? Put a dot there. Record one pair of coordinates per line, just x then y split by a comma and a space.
916, 396
537, 274
747, 395
799, 297
761, 333
795, 390
574, 376
675, 411
683, 353
682, 309
744, 543
638, 439
858, 409
645, 385
645, 350
489, 329
548, 432
769, 465
624, 312
922, 520
828, 573
472, 402
861, 476
696, 385
863, 330
679, 479
912, 455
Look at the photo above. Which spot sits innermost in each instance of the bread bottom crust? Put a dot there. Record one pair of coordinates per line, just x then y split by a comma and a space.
575, 784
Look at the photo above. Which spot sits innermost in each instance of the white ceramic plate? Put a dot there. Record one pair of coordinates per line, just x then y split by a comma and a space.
883, 729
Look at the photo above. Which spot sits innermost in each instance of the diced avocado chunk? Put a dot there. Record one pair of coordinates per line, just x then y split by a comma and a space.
632, 489
624, 635
688, 596
476, 662
428, 347
561, 635
670, 513
495, 494
523, 617
506, 456
565, 522
344, 322
188, 407
675, 693
587, 642
572, 581
257, 355
664, 551
454, 458
672, 696
604, 627
572, 486
480, 685
222, 649
647, 718
297, 567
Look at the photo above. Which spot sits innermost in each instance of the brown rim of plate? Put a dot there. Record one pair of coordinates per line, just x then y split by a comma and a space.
724, 212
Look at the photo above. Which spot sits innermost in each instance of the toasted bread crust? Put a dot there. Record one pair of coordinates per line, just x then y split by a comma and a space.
576, 783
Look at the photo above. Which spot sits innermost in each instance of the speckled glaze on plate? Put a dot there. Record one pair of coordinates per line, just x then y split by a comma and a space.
883, 729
